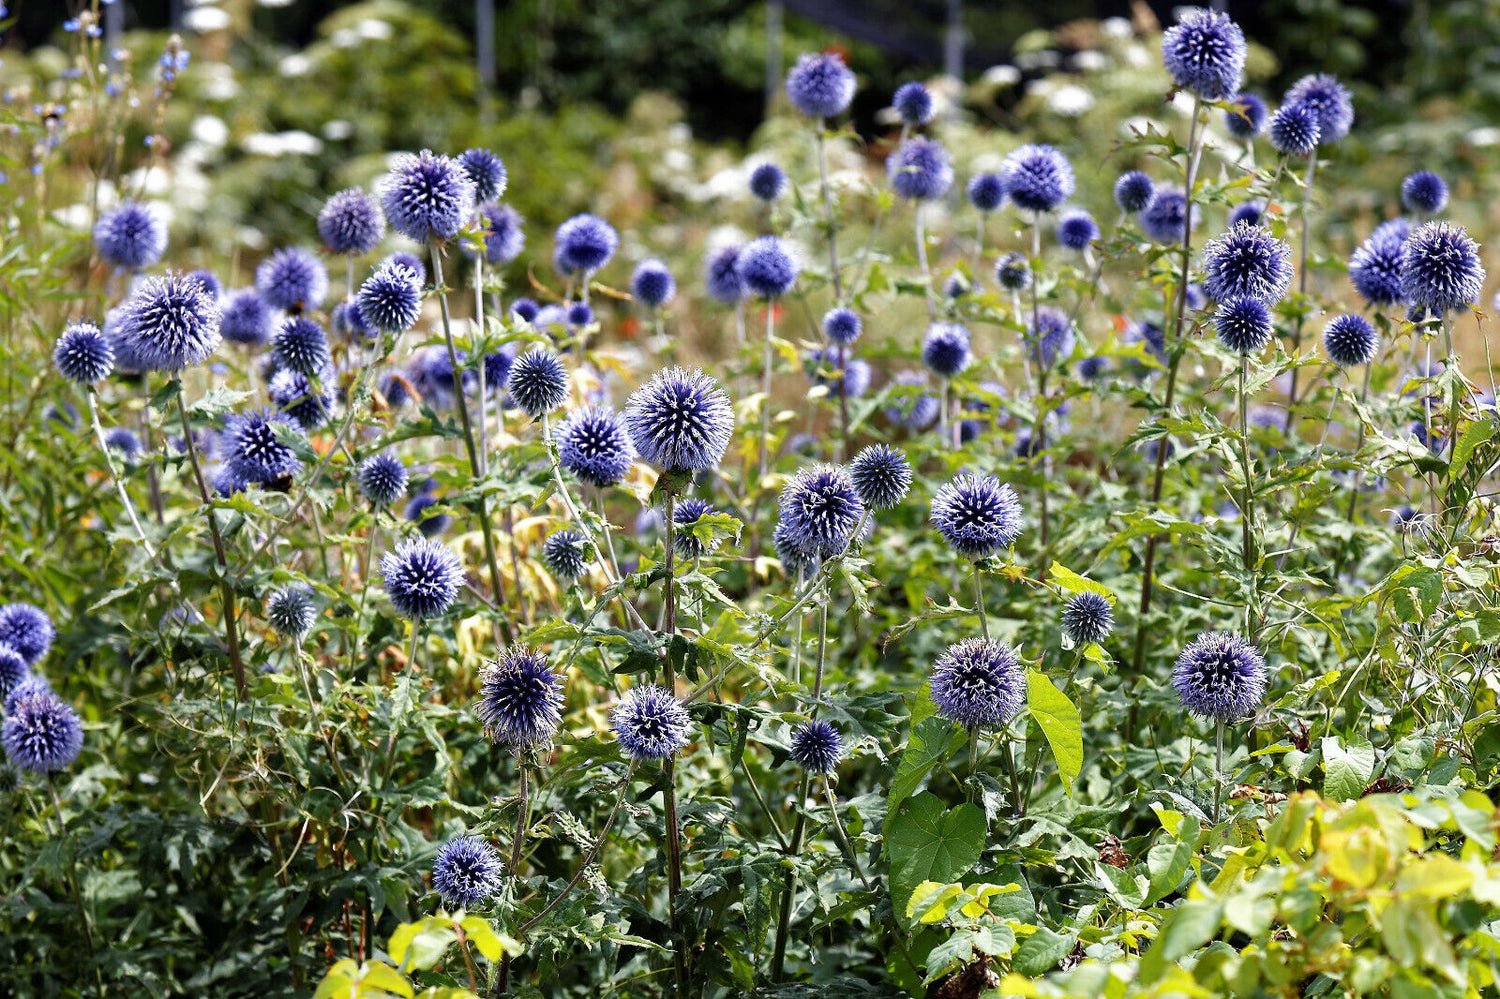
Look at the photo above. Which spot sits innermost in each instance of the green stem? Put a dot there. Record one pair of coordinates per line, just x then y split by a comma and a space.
114, 473
1307, 188
765, 388
984, 620
669, 791
1247, 508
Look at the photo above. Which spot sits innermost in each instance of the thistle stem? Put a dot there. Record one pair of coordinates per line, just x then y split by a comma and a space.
114, 473
1247, 508
921, 234
1307, 188
984, 620
765, 388
669, 791
1218, 770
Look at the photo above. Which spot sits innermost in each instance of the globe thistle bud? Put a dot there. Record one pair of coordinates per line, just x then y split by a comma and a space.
1329, 100
1246, 213
170, 323
1243, 324
652, 284
650, 723
301, 345
246, 318
485, 171
1037, 178
1088, 618
721, 275
255, 452
985, 191
1295, 130
1163, 219
382, 479
421, 577
680, 420
1133, 191
410, 261
977, 515
466, 873
1247, 261
130, 236
83, 354
820, 510
593, 444
290, 612
504, 233
1220, 676
538, 382
391, 298
585, 243
123, 441
292, 279
842, 326
945, 350
1376, 266
913, 103
566, 553
820, 85
351, 223
1205, 53
767, 182
426, 196
520, 698
1013, 272
1247, 119
767, 267
687, 513
1049, 336
40, 733
579, 315
1440, 268
978, 683
1076, 230
817, 747
920, 170
1350, 340
1424, 192
881, 475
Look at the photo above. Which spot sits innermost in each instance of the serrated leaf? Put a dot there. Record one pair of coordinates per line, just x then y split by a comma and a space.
1059, 721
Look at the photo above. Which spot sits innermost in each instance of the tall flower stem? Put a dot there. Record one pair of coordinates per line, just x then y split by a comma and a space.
114, 473
1247, 508
517, 843
916, 218
984, 619
1037, 448
669, 791
765, 388
1218, 769
1307, 189
943, 420
833, 245
226, 590
364, 590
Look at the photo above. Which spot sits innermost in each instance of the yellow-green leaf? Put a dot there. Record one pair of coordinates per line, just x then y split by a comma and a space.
1058, 718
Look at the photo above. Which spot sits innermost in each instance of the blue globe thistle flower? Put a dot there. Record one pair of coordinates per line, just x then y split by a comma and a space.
1162, 221
253, 450
290, 612
561, 263
41, 734
520, 698
1220, 676
292, 279
1038, 178
946, 349
1295, 129
1329, 100
920, 170
820, 85
1205, 53
1246, 213
1424, 192
1247, 118
466, 873
246, 318
538, 382
593, 444
851, 376
985, 191
123, 440
1077, 229
550, 316
29, 686
842, 326
410, 261
129, 235
83, 354
566, 553
792, 559
652, 284
208, 279
680, 420
1243, 324
721, 275
486, 172
496, 366
913, 103
504, 233
650, 723
225, 481
978, 683
1013, 272
767, 181
1088, 618
27, 629
820, 510
430, 524
421, 577
351, 223
13, 670
1049, 336
349, 322
1427, 437
687, 513
1440, 268
1247, 260
169, 324
1376, 265
915, 412
977, 515
881, 476
302, 398
1092, 368
301, 345
1350, 340
586, 242
955, 286
427, 196
1133, 191
382, 479
391, 298
767, 267
816, 745
580, 314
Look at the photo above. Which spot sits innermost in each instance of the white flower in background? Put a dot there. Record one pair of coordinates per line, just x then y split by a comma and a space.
210, 130
295, 65
1070, 100
206, 19
1001, 76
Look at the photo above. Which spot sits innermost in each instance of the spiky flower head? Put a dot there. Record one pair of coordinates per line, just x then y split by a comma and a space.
13, 670
767, 267
817, 747
83, 354
419, 512
820, 510
246, 318
1247, 260
721, 275
820, 85
1088, 618
881, 475
842, 326
680, 420
41, 734
945, 350
650, 723
1013, 272
1329, 100
290, 611
1220, 676
129, 235
687, 513
793, 559
1205, 53
306, 400
652, 284
1164, 217
466, 873
1243, 324
920, 170
1038, 178
520, 698
978, 683
125, 441
1076, 229
170, 323
1440, 268
1133, 191
301, 345
293, 279
537, 382
208, 279
504, 233
409, 260
391, 298
486, 172
421, 577
1247, 118
840, 372
351, 222
1350, 340
566, 553
977, 515
252, 448
593, 444
586, 242
1376, 265
382, 479
1295, 129
1246, 213
427, 196
913, 102
985, 191
767, 181
1424, 192
1049, 336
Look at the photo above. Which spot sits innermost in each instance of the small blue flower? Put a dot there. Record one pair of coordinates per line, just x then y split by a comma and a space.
767, 181
1088, 618
913, 103
83, 354
680, 420
427, 196
538, 382
721, 275
767, 267
27, 630
391, 298
290, 612
985, 191
1295, 129
382, 479
566, 553
1375, 267
652, 284
13, 670
123, 440
1013, 272
421, 577
169, 324
430, 524
586, 242
650, 723
1163, 219
1440, 268
978, 683
593, 444
579, 315
1038, 178
246, 318
129, 235
841, 375
1049, 336
842, 326
820, 510
920, 170
1133, 191
1424, 192
1076, 230
913, 411
41, 734
351, 223
302, 398
1247, 118
408, 260
1247, 260
1350, 340
945, 349
208, 279
977, 515
687, 513
1220, 676
820, 85
881, 475
349, 322
504, 233
817, 747
1329, 100
1205, 53
793, 559
520, 698
1243, 324
486, 172
466, 873
1246, 213
252, 449
525, 310
301, 345
292, 279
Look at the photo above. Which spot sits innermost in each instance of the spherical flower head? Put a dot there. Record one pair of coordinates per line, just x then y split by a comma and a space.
129, 235
1295, 129
292, 279
1088, 618
410, 261
1133, 191
208, 279
820, 85
83, 354
485, 171
1247, 118
985, 191
538, 382
580, 314
301, 345
1246, 213
382, 479
525, 310
290, 612
977, 515
915, 412
913, 102
422, 578
466, 873
253, 450
820, 510
170, 323
594, 445
1162, 221
1440, 268
652, 284
347, 321
566, 553
41, 734
504, 233
427, 196
793, 559
123, 440
30, 686
1013, 272
351, 223
816, 745
650, 723
955, 286
680, 420
1205, 53
520, 698
246, 318
1328, 98
1038, 178
1375, 266
1077, 229
978, 683
767, 267
767, 181
1247, 261
920, 170
430, 524
586, 242
1350, 340
945, 349
881, 476
27, 630
1220, 676
721, 275
842, 326
303, 399
13, 670
391, 298
842, 375
687, 513
1424, 192
1243, 324
1049, 336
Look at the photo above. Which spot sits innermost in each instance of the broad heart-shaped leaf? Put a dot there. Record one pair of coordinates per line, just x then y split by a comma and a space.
930, 842
932, 740
1347, 768
1060, 723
